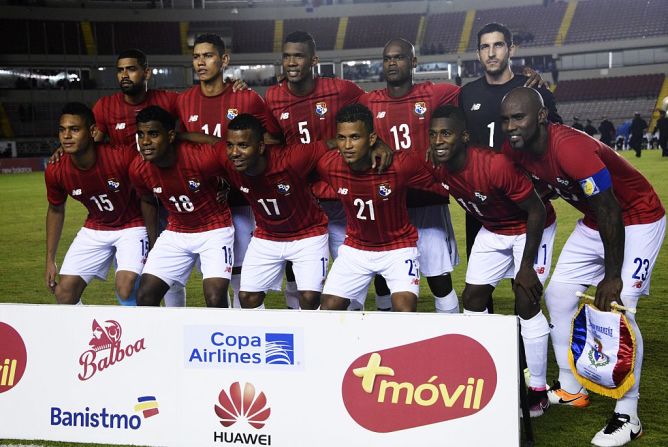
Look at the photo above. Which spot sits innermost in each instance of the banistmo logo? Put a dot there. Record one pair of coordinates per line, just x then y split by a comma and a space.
106, 349
243, 406
419, 384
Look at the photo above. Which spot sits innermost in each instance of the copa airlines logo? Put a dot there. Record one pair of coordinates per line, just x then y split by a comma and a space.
242, 348
106, 349
244, 405
103, 418
420, 383
13, 357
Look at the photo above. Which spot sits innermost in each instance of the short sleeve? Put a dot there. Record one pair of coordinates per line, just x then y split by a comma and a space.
55, 193
137, 179
100, 116
446, 94
303, 158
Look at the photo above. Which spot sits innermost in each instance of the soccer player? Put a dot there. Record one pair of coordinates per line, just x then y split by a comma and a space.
304, 106
182, 176
379, 237
516, 239
401, 114
208, 108
96, 176
614, 247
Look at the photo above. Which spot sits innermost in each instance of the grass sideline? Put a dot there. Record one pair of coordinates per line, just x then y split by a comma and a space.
22, 257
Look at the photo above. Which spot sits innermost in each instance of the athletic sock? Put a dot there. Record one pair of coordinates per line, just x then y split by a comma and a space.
235, 285
535, 333
473, 312
292, 295
384, 302
176, 296
260, 307
448, 304
628, 403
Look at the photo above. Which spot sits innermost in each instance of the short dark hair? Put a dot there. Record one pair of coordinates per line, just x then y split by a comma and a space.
246, 121
451, 112
213, 39
495, 27
156, 113
301, 37
79, 109
353, 113
134, 53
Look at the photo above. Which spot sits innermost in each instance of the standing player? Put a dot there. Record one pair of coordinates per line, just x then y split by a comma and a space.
305, 106
614, 247
96, 176
401, 114
182, 176
379, 237
516, 239
208, 108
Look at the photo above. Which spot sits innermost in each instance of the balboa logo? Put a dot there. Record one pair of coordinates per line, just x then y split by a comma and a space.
13, 357
213, 347
102, 418
106, 349
419, 383
245, 406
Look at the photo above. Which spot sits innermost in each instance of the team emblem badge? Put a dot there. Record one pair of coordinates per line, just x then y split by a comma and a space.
321, 108
232, 113
384, 190
420, 108
113, 184
283, 188
194, 184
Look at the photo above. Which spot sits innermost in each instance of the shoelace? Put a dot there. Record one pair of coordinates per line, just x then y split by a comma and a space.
616, 422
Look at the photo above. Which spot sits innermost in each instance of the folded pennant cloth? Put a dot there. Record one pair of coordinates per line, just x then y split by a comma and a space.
602, 351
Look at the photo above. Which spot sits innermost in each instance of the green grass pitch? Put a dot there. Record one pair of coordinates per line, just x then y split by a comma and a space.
22, 259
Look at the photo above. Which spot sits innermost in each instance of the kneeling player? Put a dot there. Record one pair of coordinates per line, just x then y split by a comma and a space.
379, 236
96, 176
516, 239
182, 176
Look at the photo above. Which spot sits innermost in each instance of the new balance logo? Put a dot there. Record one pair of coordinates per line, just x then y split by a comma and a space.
285, 115
76, 192
480, 196
343, 191
193, 118
446, 187
244, 189
380, 115
157, 190
475, 106
120, 126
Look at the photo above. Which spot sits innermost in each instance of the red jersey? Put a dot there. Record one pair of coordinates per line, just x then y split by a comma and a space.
117, 118
403, 123
310, 118
104, 189
284, 208
489, 187
187, 189
570, 167
375, 204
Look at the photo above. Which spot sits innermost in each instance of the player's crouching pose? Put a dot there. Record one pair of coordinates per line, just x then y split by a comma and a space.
614, 247
181, 176
516, 239
96, 176
379, 237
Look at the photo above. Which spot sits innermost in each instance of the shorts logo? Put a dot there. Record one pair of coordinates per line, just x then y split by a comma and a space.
445, 186
285, 115
384, 190
114, 184
193, 118
637, 284
381, 115
245, 405
589, 186
563, 181
425, 382
232, 113
596, 356
76, 192
475, 106
194, 184
106, 349
480, 196
148, 406
120, 126
283, 188
540, 270
157, 190
321, 108
420, 108
13, 357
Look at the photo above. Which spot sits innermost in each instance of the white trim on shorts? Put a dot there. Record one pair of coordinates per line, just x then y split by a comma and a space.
244, 226
336, 225
437, 246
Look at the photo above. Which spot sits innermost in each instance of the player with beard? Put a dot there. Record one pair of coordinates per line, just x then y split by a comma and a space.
304, 106
401, 114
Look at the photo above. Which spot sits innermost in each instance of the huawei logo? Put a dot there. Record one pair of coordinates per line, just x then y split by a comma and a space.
237, 405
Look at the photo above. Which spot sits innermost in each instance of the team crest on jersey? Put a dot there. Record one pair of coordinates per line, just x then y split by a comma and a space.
232, 113
194, 184
114, 184
283, 188
420, 108
384, 190
321, 108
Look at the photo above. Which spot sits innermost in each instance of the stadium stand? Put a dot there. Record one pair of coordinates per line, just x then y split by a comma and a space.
647, 86
323, 30
444, 31
375, 31
617, 111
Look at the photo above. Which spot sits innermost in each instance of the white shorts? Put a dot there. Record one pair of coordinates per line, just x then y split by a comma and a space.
336, 225
496, 256
354, 269
437, 246
263, 267
92, 251
174, 254
244, 225
581, 259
